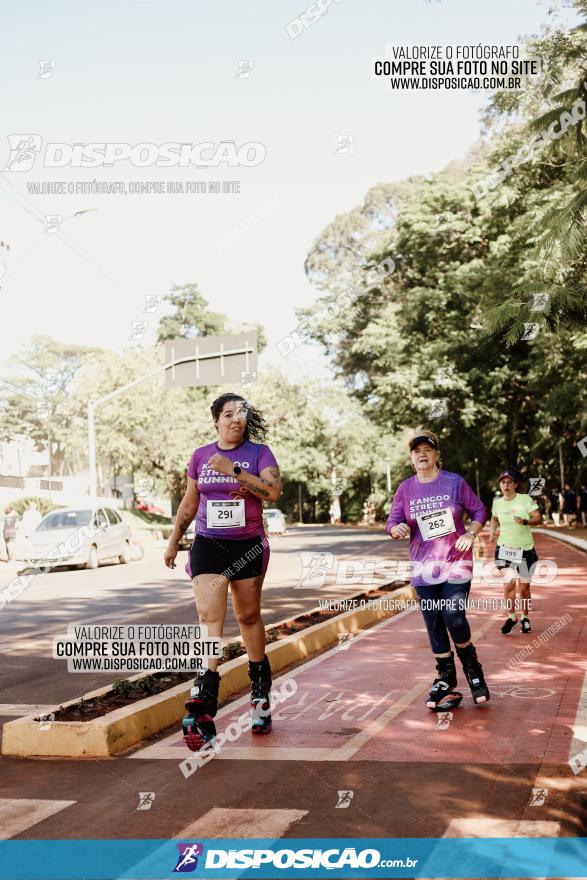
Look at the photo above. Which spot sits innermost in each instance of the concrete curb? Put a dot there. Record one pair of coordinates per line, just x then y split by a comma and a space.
566, 539
119, 730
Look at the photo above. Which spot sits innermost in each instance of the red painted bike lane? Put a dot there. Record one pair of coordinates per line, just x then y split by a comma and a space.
365, 700
481, 770
355, 753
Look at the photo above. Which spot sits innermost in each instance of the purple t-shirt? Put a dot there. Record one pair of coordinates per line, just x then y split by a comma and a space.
434, 558
213, 486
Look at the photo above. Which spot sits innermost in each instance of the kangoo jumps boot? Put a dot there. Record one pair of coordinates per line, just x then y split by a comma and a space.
260, 675
202, 704
442, 695
474, 672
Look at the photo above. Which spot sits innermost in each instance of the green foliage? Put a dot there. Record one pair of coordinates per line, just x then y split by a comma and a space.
447, 322
192, 317
122, 687
552, 187
36, 399
147, 684
44, 506
233, 650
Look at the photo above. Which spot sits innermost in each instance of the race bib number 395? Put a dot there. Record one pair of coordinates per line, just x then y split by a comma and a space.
436, 524
225, 514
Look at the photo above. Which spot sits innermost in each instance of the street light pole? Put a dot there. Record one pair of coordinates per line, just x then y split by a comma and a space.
92, 447
93, 404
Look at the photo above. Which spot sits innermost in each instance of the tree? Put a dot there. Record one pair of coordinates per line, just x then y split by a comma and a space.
192, 317
556, 104
416, 336
37, 398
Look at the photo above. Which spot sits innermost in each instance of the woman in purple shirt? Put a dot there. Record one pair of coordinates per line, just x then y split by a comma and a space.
227, 483
428, 508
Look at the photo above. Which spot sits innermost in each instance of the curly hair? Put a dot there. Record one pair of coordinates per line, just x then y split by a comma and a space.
256, 427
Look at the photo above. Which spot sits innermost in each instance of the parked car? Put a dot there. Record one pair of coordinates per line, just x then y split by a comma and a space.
185, 542
274, 520
79, 536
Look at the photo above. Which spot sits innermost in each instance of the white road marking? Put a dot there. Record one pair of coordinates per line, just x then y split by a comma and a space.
19, 710
250, 823
18, 814
485, 826
222, 822
488, 827
579, 739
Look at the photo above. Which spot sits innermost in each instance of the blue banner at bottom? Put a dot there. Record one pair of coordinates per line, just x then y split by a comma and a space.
303, 858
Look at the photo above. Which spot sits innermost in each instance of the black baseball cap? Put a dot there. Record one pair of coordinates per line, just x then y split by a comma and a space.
423, 438
512, 474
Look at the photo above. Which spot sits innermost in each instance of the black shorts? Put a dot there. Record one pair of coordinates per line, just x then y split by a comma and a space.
235, 558
524, 568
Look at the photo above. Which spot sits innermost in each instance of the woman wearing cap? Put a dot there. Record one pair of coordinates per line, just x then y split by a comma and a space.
511, 519
429, 508
226, 484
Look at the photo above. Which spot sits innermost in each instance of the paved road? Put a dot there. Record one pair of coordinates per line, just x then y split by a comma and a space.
356, 732
148, 592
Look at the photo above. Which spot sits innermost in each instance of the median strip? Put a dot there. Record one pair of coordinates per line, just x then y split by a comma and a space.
120, 729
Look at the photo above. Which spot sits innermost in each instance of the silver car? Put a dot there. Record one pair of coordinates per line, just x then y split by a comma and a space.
274, 520
79, 536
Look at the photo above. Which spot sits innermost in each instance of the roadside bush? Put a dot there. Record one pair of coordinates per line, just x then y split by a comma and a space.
43, 504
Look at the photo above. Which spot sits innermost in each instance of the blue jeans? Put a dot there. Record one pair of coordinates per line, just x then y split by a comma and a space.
446, 614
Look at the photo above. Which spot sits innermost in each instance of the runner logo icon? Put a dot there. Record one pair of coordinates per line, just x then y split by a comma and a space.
187, 859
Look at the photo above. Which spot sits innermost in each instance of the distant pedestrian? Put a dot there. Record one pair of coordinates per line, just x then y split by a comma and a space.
583, 504
569, 507
512, 517
10, 530
30, 520
555, 507
541, 502
334, 511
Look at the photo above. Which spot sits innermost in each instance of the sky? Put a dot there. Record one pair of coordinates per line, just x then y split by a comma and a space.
156, 71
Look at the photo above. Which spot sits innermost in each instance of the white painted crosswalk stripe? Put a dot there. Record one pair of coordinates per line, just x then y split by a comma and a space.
485, 826
221, 822
19, 814
578, 744
19, 710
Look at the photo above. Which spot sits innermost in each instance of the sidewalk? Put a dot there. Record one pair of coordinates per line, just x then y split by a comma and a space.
357, 724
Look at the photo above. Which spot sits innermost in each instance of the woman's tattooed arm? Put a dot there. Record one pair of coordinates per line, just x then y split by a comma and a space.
267, 487
186, 511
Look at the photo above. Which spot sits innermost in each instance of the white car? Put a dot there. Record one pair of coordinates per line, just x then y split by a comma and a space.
79, 536
186, 540
274, 521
